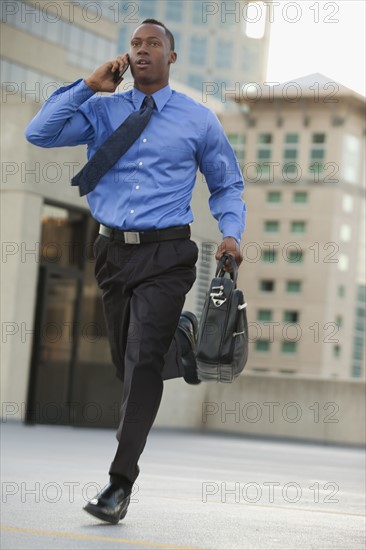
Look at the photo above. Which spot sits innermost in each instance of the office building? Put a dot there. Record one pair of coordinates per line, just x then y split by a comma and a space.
301, 147
220, 42
54, 343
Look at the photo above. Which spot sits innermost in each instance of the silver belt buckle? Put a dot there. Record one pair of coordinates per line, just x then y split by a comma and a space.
131, 237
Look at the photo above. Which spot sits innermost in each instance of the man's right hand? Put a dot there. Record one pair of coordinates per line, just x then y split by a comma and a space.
103, 78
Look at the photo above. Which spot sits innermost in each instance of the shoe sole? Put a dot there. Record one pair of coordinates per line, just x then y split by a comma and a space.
100, 515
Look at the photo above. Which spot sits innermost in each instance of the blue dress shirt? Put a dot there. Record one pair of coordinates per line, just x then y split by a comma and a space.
151, 186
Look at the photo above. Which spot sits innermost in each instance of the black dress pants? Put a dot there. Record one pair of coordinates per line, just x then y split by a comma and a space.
144, 288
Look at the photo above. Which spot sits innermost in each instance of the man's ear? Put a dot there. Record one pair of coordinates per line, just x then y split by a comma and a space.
172, 57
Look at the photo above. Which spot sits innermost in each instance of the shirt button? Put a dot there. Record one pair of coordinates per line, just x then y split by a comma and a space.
137, 187
144, 140
140, 163
132, 211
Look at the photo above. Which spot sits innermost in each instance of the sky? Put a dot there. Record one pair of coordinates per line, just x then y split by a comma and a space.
329, 38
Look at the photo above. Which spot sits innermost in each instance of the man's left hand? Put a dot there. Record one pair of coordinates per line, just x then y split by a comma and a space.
231, 247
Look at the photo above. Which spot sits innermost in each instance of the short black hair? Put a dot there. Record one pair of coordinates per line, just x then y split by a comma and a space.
167, 31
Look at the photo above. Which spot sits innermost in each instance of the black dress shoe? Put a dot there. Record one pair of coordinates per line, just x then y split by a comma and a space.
110, 504
187, 331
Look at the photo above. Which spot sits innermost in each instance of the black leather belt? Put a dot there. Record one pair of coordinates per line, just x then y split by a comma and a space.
143, 237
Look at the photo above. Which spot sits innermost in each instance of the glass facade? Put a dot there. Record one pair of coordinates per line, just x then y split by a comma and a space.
33, 84
358, 355
224, 54
84, 48
174, 10
198, 50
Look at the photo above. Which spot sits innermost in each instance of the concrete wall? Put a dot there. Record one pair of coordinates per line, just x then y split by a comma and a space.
328, 411
20, 233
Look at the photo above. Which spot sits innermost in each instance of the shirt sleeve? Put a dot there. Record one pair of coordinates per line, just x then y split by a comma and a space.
61, 122
219, 165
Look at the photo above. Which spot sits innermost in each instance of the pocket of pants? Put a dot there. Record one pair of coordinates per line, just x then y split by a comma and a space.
187, 251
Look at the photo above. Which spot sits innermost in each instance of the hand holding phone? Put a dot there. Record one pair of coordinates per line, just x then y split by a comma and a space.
118, 74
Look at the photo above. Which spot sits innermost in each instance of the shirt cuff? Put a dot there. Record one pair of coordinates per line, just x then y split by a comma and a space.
233, 233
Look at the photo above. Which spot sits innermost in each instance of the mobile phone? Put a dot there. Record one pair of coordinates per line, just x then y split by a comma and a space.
118, 75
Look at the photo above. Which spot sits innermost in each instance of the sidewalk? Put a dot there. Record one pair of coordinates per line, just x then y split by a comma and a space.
194, 491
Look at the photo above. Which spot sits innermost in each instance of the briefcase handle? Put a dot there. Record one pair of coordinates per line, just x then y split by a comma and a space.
220, 272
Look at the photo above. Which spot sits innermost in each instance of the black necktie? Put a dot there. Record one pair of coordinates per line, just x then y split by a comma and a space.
113, 148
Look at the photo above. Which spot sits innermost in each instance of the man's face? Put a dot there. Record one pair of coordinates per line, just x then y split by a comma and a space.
150, 55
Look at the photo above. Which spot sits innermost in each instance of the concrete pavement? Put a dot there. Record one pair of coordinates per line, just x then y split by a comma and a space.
195, 491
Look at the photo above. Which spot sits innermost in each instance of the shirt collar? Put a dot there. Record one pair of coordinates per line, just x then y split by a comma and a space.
161, 97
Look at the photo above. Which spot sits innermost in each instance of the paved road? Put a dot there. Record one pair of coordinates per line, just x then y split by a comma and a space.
194, 491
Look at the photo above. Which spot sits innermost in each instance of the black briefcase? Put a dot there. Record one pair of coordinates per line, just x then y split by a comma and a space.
222, 342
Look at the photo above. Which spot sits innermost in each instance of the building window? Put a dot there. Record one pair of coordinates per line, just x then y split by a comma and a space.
292, 138
274, 196
12, 72
195, 81
237, 142
287, 371
197, 50
174, 10
358, 346
267, 285
317, 154
291, 317
345, 233
224, 54
360, 313
288, 347
298, 227
343, 262
84, 48
264, 315
351, 160
264, 153
337, 350
339, 321
269, 256
347, 203
318, 138
262, 345
146, 9
293, 286
271, 226
356, 371
341, 291
197, 12
265, 138
294, 256
300, 197
290, 154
